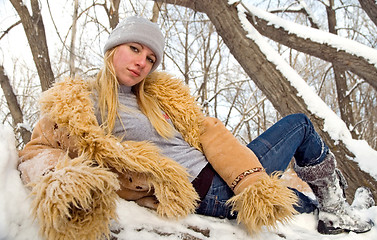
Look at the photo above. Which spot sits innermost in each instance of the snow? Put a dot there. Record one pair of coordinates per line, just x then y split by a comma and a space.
315, 35
15, 220
136, 222
365, 156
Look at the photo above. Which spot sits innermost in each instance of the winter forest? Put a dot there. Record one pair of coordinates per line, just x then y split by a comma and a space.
247, 62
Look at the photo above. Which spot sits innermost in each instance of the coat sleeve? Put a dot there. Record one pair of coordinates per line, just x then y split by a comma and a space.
48, 144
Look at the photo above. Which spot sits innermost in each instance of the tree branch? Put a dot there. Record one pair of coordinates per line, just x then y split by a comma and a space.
6, 31
370, 7
35, 33
184, 3
13, 105
346, 61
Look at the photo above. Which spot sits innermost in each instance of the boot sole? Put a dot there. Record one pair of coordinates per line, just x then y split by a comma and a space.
323, 229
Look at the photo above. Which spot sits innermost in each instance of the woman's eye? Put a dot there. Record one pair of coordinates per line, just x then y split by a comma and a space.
151, 60
134, 49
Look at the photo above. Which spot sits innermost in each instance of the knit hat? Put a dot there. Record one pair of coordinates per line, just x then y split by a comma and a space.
140, 30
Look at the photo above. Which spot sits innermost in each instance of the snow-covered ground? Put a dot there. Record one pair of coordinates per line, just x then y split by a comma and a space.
137, 223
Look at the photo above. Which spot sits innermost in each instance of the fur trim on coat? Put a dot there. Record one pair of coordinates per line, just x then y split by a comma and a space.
69, 105
175, 100
260, 200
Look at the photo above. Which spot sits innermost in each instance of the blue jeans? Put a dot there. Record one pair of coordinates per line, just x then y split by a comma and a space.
292, 136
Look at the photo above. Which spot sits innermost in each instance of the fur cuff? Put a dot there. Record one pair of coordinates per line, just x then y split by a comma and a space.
264, 203
174, 192
76, 201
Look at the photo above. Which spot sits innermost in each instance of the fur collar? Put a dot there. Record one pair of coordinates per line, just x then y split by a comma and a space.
175, 99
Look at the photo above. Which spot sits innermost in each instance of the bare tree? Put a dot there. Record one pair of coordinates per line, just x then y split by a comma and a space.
351, 70
344, 100
13, 105
35, 33
156, 11
72, 55
370, 7
112, 12
5, 32
271, 81
182, 38
344, 60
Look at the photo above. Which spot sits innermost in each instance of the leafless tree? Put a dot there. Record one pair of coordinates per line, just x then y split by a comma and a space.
35, 33
272, 82
370, 7
14, 107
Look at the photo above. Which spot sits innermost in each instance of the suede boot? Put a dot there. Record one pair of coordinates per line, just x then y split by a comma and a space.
335, 214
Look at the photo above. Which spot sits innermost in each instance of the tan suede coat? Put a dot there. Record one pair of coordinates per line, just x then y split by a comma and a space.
68, 129
51, 141
75, 168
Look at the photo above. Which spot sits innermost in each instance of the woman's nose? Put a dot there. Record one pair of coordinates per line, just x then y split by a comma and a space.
141, 60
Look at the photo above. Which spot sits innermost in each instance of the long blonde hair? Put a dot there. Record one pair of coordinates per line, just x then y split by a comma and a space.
107, 86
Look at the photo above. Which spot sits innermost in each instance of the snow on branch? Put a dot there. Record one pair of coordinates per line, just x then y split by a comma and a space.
349, 54
335, 127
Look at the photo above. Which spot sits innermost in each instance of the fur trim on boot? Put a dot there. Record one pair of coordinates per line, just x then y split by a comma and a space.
75, 201
264, 203
335, 214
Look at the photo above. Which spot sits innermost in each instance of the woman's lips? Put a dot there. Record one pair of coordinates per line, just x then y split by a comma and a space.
134, 72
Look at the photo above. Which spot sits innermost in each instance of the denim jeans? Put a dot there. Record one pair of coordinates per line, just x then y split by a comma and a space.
292, 136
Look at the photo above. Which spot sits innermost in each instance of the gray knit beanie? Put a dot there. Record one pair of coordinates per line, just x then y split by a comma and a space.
140, 30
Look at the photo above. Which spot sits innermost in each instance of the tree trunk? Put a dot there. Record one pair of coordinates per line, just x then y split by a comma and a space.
344, 101
35, 33
14, 107
156, 11
370, 7
271, 81
113, 13
72, 54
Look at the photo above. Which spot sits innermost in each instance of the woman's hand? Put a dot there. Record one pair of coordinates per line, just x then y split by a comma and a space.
133, 186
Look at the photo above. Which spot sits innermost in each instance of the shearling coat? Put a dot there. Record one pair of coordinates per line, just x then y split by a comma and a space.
75, 169
68, 135
51, 141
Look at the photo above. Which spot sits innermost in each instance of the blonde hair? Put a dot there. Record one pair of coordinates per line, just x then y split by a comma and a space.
149, 106
107, 85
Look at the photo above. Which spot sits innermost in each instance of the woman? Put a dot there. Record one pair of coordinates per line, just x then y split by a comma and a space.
138, 134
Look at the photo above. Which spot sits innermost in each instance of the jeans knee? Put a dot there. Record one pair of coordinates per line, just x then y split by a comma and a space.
301, 121
299, 118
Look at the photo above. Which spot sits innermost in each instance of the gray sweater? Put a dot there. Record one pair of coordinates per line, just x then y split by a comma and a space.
137, 127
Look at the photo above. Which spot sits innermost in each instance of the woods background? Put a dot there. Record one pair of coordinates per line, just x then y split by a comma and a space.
206, 45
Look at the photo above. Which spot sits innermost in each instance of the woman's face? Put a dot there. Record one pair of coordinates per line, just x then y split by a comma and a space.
132, 63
